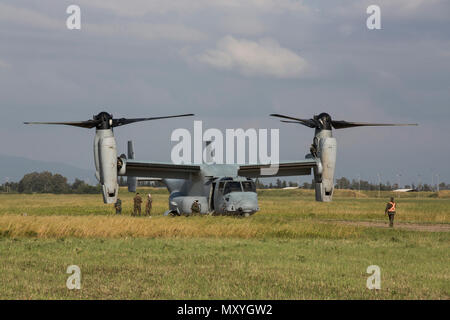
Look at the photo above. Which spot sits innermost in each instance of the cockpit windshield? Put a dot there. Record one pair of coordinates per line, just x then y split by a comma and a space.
236, 186
232, 186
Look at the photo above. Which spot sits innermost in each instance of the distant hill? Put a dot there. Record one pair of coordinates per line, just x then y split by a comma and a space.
16, 167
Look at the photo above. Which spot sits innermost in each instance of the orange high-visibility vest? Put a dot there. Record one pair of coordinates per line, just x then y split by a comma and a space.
392, 208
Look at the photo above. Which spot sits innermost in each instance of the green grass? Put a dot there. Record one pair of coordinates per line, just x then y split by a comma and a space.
285, 251
225, 268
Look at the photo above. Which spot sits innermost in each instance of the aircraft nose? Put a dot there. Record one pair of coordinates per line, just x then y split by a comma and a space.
243, 202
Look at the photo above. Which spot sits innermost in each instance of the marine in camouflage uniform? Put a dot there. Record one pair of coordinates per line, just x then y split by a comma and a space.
118, 206
148, 205
196, 207
390, 211
137, 205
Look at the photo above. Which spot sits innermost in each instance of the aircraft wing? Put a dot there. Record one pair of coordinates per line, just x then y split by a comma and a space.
139, 179
160, 170
297, 168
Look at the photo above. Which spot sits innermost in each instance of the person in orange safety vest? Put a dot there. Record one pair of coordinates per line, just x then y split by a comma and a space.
390, 211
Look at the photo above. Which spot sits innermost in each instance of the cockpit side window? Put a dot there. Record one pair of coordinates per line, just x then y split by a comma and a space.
221, 185
248, 186
232, 186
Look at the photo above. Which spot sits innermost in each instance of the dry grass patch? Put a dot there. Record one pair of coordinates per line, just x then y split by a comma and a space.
164, 227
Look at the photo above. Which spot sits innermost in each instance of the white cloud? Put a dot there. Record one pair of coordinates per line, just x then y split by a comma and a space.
427, 10
243, 24
148, 31
28, 17
143, 7
409, 6
145, 31
263, 58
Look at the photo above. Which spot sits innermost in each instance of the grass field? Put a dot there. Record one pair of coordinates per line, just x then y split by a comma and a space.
294, 248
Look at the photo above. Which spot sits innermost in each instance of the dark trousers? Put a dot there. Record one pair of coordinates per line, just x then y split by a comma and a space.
391, 219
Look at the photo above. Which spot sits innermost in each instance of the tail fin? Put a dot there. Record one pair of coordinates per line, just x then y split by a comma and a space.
131, 181
130, 150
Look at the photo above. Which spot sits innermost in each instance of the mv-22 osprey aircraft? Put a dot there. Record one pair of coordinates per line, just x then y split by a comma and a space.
220, 189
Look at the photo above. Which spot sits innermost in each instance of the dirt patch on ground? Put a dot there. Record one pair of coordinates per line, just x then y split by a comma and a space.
399, 225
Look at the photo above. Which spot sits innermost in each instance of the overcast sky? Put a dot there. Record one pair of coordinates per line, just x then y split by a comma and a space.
232, 63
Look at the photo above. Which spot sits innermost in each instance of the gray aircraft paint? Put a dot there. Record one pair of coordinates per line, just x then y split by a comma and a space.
326, 152
105, 158
208, 184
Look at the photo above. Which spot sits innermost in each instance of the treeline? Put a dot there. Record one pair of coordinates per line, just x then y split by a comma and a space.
279, 184
354, 184
46, 182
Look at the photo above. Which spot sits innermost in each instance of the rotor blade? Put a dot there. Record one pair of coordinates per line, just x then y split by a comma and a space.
83, 124
346, 124
307, 122
287, 121
124, 121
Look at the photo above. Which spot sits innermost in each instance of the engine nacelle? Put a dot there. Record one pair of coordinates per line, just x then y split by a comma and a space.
325, 181
105, 155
